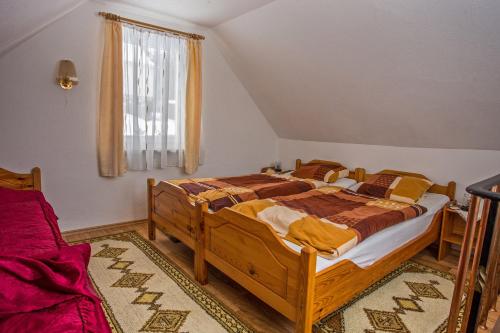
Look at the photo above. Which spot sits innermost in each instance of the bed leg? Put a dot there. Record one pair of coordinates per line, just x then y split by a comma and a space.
151, 223
200, 265
304, 319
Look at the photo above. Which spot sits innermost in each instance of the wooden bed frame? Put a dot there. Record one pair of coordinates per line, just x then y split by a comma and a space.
21, 181
180, 216
249, 251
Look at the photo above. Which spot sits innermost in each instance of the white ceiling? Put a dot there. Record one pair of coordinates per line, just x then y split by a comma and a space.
415, 73
203, 12
20, 18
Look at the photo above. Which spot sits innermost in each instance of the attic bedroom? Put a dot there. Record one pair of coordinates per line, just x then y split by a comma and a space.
249, 166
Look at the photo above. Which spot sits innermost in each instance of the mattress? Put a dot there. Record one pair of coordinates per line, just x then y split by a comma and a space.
386, 241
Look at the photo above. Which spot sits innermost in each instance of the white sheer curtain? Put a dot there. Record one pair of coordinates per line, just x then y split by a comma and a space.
154, 84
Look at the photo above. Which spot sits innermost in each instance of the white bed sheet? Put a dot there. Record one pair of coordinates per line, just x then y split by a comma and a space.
384, 242
342, 182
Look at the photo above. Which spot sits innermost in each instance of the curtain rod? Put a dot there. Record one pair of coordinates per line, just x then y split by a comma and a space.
114, 17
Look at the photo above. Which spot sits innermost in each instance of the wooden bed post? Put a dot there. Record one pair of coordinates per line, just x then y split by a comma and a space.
304, 317
151, 223
298, 163
359, 175
452, 186
200, 265
37, 178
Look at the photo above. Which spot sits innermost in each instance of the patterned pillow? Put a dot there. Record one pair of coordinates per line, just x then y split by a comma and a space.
324, 172
395, 187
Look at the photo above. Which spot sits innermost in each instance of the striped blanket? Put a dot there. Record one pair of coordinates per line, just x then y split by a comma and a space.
330, 219
228, 191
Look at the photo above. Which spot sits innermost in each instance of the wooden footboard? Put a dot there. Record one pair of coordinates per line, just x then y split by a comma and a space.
249, 252
170, 209
21, 181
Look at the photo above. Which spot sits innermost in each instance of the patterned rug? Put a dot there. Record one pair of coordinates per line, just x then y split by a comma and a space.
143, 291
413, 299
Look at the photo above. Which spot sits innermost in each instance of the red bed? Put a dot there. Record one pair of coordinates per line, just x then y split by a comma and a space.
44, 285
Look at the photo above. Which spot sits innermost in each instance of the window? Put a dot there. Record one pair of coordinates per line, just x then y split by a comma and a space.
154, 84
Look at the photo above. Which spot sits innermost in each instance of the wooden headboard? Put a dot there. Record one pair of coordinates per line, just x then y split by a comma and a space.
358, 174
448, 189
21, 181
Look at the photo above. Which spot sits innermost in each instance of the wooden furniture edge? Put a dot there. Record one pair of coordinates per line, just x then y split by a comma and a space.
200, 264
151, 224
307, 283
451, 233
21, 181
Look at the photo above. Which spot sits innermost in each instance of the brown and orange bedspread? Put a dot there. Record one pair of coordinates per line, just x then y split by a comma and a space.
228, 191
330, 219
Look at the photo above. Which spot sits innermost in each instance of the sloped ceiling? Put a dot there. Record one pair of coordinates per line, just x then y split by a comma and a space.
203, 12
415, 73
21, 18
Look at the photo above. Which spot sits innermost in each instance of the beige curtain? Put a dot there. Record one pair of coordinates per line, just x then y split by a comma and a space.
193, 107
112, 160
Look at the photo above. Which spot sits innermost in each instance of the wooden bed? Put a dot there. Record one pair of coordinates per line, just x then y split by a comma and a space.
249, 251
21, 181
172, 211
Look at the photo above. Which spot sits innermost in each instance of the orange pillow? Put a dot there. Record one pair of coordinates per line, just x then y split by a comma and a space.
328, 173
407, 189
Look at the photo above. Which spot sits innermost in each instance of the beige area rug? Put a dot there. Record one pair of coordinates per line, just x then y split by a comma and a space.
143, 291
412, 299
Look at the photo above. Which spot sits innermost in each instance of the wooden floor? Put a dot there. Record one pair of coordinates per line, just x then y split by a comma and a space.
250, 309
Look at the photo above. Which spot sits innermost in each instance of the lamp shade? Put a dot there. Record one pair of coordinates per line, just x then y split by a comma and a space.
67, 77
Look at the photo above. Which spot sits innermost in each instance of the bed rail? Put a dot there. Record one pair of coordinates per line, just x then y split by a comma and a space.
482, 276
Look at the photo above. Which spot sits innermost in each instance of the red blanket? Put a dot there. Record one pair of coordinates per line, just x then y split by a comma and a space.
44, 285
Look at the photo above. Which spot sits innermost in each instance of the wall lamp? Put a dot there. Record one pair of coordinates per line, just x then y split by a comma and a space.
66, 76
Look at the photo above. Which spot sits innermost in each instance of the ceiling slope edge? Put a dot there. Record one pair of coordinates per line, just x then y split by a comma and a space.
230, 58
16, 42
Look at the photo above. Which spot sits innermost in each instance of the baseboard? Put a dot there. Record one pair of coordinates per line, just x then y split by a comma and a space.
101, 227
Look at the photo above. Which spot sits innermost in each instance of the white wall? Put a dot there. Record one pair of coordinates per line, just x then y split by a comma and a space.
441, 165
408, 73
40, 124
